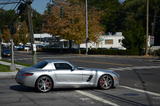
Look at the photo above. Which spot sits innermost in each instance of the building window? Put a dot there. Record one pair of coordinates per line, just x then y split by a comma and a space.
120, 40
109, 41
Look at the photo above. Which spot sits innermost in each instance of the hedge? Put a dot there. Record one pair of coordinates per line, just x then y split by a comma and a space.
99, 51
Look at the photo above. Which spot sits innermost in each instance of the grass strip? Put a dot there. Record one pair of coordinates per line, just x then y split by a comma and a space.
24, 64
4, 68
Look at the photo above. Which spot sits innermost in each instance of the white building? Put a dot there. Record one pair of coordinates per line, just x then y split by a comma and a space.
107, 41
42, 38
52, 41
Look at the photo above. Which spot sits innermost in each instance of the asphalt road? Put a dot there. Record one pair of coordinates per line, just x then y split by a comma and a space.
139, 83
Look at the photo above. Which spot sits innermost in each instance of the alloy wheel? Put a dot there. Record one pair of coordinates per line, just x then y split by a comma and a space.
105, 82
44, 84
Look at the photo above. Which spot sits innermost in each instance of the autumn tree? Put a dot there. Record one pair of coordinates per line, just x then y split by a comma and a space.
68, 20
6, 34
6, 19
22, 33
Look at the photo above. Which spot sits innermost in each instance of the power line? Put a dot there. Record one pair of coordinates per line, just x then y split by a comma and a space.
9, 4
6, 3
17, 4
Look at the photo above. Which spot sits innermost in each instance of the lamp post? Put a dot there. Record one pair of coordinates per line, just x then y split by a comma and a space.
86, 10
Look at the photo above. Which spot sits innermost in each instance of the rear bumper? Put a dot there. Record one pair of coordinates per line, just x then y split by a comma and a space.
25, 81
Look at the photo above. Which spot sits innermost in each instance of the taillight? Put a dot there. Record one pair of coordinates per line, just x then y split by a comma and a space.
27, 74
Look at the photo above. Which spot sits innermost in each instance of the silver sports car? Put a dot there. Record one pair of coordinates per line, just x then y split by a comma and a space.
49, 74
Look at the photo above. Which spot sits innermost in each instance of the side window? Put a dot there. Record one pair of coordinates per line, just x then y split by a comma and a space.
41, 64
62, 66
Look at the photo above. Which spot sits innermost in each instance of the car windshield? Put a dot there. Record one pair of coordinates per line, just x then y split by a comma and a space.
41, 64
7, 51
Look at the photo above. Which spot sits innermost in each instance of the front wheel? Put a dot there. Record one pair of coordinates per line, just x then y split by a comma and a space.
105, 82
44, 84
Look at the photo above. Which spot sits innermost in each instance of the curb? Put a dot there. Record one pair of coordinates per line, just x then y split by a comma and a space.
4, 75
7, 75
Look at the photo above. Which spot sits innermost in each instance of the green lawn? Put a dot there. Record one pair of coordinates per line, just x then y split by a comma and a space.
17, 63
4, 68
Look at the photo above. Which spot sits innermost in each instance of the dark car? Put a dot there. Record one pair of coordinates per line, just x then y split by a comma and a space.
6, 52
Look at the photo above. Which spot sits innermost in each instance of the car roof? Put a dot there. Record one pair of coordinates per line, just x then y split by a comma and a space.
56, 61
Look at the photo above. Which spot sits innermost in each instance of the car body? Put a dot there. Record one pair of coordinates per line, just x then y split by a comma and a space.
49, 74
6, 52
19, 47
27, 48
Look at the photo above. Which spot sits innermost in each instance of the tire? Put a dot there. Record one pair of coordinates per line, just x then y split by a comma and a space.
105, 82
44, 84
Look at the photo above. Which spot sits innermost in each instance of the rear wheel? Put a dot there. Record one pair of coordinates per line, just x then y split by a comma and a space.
105, 82
44, 84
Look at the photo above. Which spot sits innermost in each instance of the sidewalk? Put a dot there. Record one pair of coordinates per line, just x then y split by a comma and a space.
9, 74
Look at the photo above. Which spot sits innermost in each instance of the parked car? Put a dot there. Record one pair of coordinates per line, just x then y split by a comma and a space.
27, 48
6, 52
49, 74
19, 47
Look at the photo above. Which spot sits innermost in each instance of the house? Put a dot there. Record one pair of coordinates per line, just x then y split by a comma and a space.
52, 41
109, 41
42, 38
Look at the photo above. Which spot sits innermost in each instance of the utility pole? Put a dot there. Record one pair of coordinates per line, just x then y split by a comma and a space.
86, 9
147, 28
34, 56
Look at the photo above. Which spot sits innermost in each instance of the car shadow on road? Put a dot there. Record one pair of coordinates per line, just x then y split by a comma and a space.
22, 88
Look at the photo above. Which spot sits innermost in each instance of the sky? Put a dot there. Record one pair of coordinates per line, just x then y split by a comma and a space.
38, 5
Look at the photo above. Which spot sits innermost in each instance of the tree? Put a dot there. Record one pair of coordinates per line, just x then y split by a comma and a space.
112, 17
134, 36
7, 18
67, 19
6, 34
22, 33
37, 22
137, 9
154, 20
134, 25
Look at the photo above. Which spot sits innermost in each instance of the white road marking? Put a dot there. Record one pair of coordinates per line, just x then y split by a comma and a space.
140, 90
96, 98
132, 68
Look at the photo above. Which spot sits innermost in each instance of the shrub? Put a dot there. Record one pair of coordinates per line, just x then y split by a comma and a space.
99, 51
